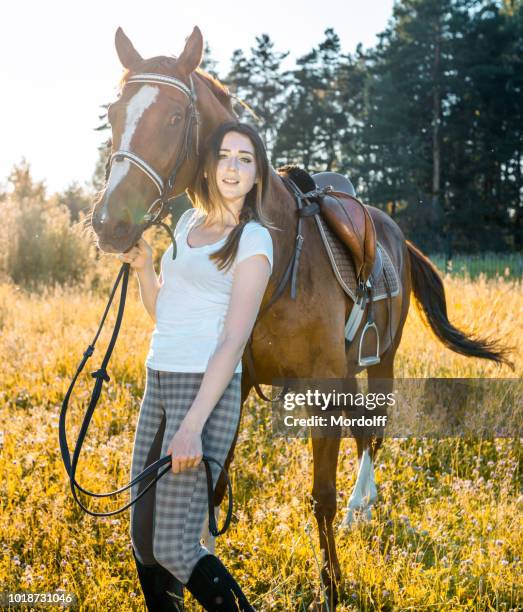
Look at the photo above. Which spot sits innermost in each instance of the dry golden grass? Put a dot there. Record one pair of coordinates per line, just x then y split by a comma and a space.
446, 531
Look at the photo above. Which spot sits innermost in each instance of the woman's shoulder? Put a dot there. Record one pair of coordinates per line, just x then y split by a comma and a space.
255, 239
185, 219
255, 227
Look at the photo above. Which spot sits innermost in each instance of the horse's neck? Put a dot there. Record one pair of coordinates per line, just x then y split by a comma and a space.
281, 210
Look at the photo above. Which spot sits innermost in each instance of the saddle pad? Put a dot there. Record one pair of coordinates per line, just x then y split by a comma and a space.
343, 265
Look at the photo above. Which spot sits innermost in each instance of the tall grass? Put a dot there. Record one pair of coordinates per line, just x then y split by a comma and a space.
446, 532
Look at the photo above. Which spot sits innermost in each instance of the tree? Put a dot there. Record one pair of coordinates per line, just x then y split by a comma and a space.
38, 245
76, 200
315, 119
260, 82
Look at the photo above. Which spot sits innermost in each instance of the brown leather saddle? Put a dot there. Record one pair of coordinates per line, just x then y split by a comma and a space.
349, 219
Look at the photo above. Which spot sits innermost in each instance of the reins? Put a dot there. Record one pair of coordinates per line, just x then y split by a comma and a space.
100, 377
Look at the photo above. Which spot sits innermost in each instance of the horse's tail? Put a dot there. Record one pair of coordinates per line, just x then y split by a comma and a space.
430, 296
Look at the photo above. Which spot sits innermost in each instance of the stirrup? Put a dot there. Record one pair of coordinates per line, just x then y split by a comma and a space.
371, 359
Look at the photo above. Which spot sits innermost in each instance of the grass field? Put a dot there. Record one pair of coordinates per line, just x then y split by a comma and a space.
446, 532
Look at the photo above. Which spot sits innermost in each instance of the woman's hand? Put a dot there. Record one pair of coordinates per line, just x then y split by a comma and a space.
185, 449
139, 256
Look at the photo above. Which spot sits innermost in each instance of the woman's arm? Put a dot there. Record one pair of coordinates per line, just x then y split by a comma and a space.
149, 288
250, 281
140, 257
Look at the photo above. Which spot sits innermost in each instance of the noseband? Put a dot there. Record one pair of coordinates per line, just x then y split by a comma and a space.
164, 188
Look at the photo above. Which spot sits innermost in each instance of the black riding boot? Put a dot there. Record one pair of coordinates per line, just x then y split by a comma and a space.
215, 589
163, 592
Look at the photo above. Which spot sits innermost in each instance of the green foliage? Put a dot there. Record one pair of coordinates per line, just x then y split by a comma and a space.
314, 117
39, 245
427, 124
439, 124
259, 80
76, 200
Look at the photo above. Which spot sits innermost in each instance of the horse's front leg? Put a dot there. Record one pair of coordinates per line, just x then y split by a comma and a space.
325, 455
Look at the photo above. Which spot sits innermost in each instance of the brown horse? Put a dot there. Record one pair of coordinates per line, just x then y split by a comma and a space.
159, 126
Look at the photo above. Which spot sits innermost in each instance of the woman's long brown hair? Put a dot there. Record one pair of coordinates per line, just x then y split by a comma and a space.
206, 195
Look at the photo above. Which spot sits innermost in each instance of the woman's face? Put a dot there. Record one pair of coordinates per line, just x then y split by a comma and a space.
236, 168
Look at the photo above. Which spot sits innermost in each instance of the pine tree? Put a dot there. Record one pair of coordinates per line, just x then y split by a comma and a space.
315, 119
258, 80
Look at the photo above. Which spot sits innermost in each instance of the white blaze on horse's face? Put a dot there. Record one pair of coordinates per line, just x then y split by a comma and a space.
136, 107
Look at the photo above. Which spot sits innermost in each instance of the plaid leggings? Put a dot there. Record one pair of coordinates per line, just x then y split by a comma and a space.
167, 522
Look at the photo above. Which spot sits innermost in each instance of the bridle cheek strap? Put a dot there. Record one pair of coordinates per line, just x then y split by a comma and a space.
164, 188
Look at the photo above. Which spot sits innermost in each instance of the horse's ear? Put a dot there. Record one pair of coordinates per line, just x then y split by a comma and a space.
128, 55
191, 56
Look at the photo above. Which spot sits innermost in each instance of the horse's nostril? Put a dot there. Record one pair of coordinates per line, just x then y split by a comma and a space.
121, 229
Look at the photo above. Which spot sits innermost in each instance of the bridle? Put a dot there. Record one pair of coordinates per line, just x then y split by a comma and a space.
164, 187
150, 218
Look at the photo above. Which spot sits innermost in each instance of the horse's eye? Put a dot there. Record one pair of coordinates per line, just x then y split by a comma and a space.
174, 119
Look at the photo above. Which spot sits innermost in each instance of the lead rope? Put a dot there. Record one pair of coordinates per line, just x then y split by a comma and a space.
100, 377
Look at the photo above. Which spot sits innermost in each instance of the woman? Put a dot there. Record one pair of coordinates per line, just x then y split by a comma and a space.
204, 305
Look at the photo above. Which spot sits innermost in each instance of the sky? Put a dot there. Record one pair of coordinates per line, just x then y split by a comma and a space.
59, 62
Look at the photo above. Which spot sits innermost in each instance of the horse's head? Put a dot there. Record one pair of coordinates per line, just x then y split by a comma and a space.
157, 124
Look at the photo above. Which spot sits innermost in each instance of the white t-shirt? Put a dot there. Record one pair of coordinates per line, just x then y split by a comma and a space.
194, 297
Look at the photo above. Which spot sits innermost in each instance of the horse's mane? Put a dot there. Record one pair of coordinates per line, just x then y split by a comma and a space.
165, 65
298, 175
217, 87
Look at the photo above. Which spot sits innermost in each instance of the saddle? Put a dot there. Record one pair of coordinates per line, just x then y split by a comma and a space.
349, 219
330, 198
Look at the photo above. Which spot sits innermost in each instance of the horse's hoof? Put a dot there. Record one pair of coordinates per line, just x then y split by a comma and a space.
353, 515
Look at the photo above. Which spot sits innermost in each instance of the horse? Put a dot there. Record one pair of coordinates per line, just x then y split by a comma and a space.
166, 108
